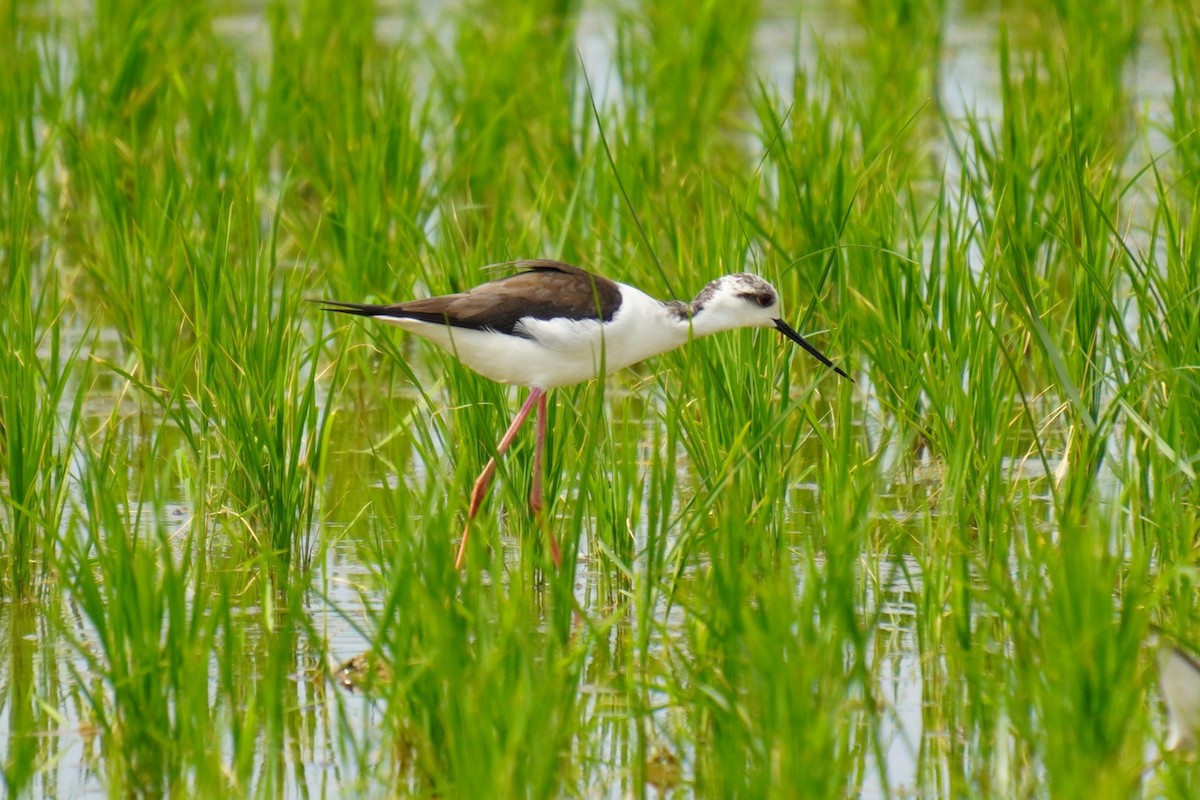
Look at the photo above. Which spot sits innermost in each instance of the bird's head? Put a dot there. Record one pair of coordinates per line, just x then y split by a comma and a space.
746, 301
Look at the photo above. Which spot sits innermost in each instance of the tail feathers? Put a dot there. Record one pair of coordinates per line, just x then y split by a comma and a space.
358, 309
384, 312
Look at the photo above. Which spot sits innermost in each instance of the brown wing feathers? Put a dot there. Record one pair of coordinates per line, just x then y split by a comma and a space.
545, 290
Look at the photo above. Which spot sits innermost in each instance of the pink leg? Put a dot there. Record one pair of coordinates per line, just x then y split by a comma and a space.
535, 494
485, 478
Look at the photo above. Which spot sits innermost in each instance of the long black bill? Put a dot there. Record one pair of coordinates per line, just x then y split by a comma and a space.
790, 332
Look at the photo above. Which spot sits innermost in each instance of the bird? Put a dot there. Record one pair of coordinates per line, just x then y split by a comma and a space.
553, 324
1179, 685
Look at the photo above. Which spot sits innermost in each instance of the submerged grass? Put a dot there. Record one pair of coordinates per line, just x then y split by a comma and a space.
935, 581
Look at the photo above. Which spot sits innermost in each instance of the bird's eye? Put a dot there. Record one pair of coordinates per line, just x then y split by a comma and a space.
765, 299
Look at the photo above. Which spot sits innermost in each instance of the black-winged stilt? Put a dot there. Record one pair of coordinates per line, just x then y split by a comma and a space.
553, 324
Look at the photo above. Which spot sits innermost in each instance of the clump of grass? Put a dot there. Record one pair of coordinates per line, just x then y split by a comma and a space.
44, 385
1079, 715
348, 127
42, 382
482, 697
147, 644
257, 384
762, 672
